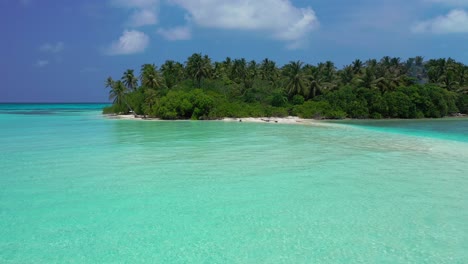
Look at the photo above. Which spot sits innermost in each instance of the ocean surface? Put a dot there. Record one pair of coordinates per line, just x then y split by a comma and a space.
77, 187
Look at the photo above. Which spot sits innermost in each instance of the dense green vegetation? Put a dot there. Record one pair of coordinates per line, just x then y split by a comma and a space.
201, 89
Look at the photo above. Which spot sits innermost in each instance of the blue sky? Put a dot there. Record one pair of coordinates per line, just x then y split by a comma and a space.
63, 50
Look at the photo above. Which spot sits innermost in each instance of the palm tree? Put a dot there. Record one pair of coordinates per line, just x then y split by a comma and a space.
449, 74
264, 68
448, 81
129, 80
239, 70
227, 65
368, 79
268, 71
109, 82
386, 61
440, 68
117, 93
395, 62
149, 77
346, 75
418, 61
463, 75
315, 81
172, 73
410, 62
296, 78
328, 72
357, 66
198, 67
372, 63
218, 70
222, 70
150, 98
250, 74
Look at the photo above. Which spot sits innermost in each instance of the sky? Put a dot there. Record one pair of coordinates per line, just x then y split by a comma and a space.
63, 50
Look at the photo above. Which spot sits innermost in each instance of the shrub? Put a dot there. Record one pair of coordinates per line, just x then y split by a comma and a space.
115, 109
318, 110
462, 103
399, 105
278, 100
298, 99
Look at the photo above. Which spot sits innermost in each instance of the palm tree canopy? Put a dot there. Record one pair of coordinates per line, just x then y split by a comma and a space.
129, 80
198, 67
117, 92
150, 77
295, 77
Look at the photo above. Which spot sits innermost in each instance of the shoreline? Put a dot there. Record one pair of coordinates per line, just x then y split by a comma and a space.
273, 120
279, 120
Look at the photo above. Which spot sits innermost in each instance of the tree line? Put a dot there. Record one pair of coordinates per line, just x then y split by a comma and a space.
203, 89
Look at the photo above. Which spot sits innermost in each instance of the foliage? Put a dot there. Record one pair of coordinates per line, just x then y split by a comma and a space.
185, 105
114, 109
201, 89
319, 110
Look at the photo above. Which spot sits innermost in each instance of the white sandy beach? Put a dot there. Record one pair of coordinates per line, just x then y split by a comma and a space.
272, 120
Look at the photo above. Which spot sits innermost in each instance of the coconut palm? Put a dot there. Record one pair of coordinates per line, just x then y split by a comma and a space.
117, 93
449, 77
386, 61
372, 63
150, 98
435, 69
227, 64
395, 62
296, 78
239, 70
268, 71
357, 66
150, 77
463, 75
315, 81
250, 74
328, 70
346, 75
218, 70
109, 82
129, 80
198, 67
369, 80
172, 72
418, 61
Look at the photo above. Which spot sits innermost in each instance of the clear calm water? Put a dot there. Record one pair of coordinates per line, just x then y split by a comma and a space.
78, 187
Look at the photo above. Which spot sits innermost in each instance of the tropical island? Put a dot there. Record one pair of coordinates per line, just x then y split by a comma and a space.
201, 89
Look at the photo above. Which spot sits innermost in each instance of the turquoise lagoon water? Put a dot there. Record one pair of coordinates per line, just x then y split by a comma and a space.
76, 187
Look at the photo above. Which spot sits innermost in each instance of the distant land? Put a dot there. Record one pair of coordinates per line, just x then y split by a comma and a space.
234, 88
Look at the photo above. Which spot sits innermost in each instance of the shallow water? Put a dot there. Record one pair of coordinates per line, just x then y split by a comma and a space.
77, 187
444, 128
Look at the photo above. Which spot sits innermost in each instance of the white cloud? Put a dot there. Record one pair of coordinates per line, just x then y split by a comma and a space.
130, 42
277, 17
176, 33
456, 21
52, 48
144, 11
143, 17
42, 63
